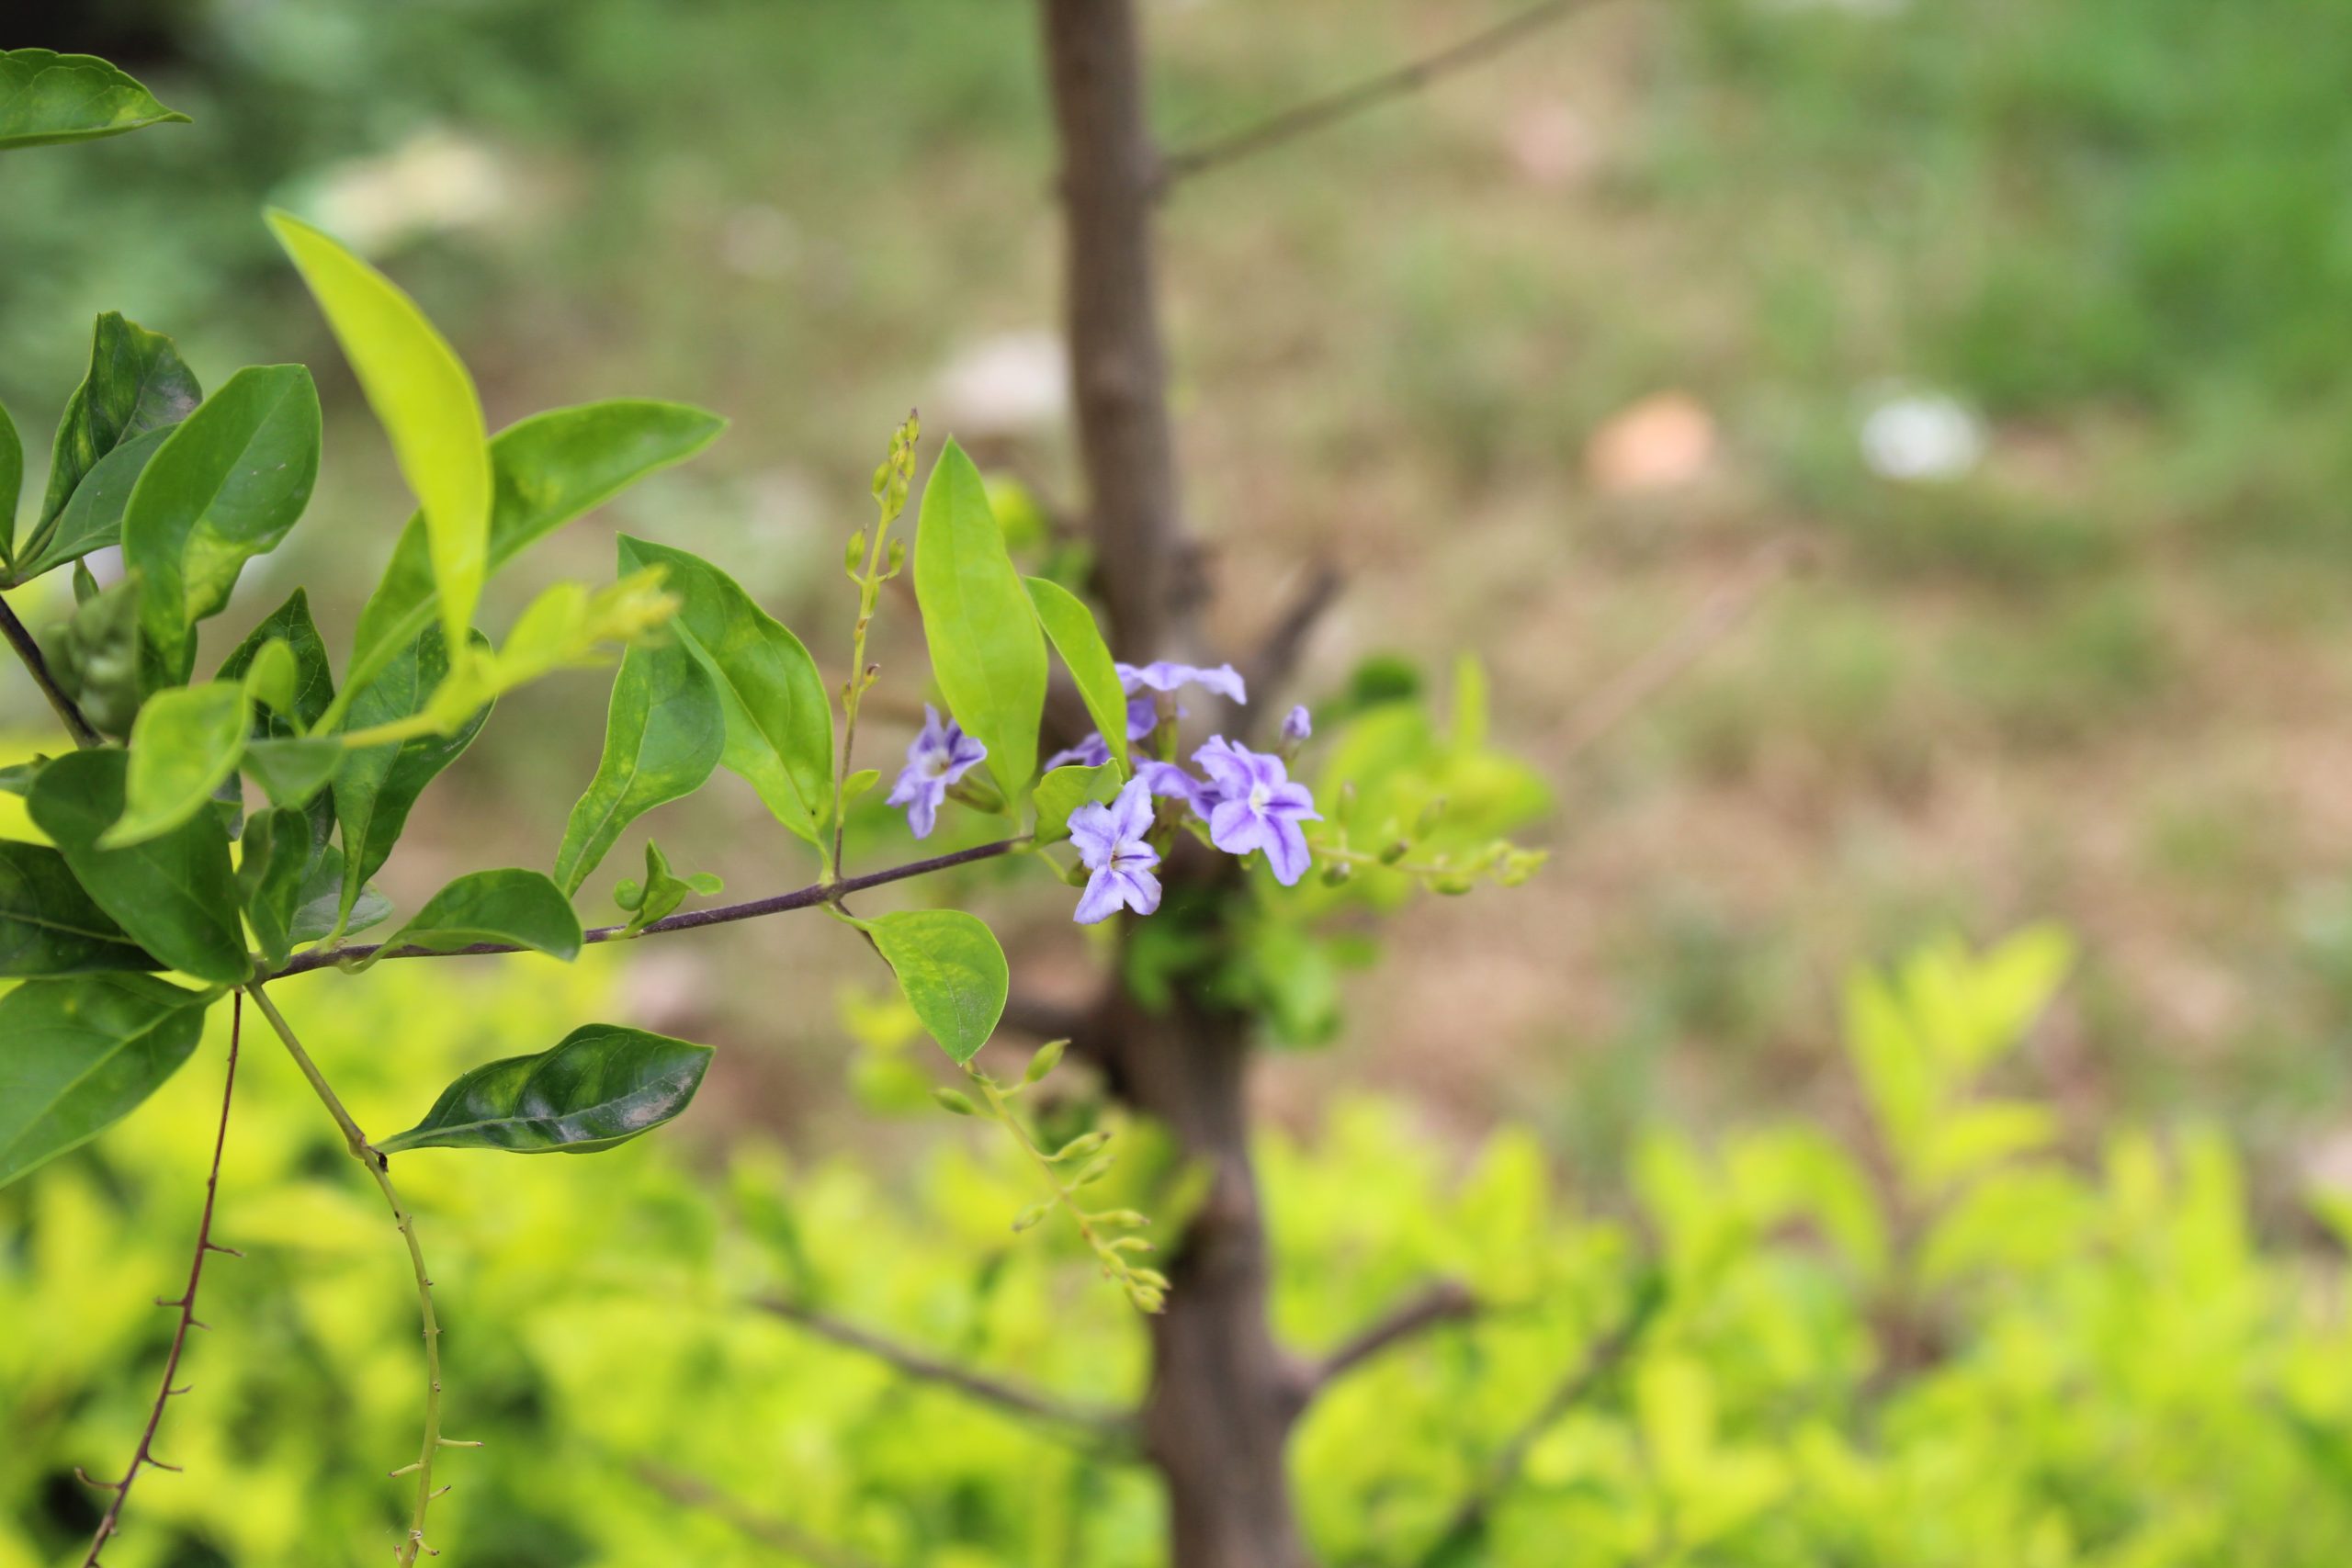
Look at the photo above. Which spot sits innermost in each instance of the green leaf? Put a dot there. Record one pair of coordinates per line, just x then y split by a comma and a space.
278, 855
548, 469
1064, 790
50, 927
779, 718
175, 894
12, 483
290, 625
425, 403
376, 786
663, 735
185, 745
603, 1085
47, 98
320, 909
83, 1054
951, 970
270, 678
659, 895
292, 771
986, 650
521, 907
1076, 638
226, 486
137, 383
93, 515
96, 658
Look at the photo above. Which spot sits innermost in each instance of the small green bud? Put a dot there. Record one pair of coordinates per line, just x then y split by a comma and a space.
1095, 1171
954, 1102
1131, 1244
1395, 852
1048, 1058
1083, 1144
1121, 1219
1030, 1216
854, 558
898, 559
1337, 872
1431, 815
1453, 885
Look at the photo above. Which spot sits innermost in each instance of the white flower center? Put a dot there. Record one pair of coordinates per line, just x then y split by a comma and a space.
1259, 795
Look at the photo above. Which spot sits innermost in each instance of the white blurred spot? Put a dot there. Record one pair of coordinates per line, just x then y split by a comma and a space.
1552, 144
1920, 437
1012, 384
1660, 443
434, 182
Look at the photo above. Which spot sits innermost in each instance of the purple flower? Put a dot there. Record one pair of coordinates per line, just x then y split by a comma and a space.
1297, 725
937, 757
1168, 779
1257, 806
1163, 675
1110, 843
1143, 717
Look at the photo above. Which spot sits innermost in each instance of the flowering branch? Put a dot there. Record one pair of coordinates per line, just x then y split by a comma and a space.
1315, 114
1104, 1427
809, 898
205, 1248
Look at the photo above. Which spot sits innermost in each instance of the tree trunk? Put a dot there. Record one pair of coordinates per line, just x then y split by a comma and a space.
1223, 1394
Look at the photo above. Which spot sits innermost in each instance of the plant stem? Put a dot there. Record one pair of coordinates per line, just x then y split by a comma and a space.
205, 1248
1145, 1287
85, 734
811, 897
891, 495
368, 1155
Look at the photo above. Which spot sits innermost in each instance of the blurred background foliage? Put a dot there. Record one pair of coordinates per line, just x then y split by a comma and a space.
2023, 322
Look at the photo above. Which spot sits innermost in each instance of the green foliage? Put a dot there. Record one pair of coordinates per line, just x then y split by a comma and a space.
49, 926
1070, 626
81, 1055
174, 893
183, 746
1066, 789
779, 721
12, 481
952, 971
602, 1086
519, 907
47, 98
663, 891
663, 735
376, 786
425, 401
137, 384
986, 651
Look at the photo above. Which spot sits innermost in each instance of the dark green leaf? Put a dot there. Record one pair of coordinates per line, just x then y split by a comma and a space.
1076, 638
228, 484
602, 1086
779, 718
986, 649
290, 623
424, 400
47, 97
663, 734
951, 970
316, 915
175, 894
81, 1055
1064, 790
293, 772
137, 383
185, 746
93, 514
279, 853
521, 907
17, 778
548, 469
376, 786
49, 926
659, 895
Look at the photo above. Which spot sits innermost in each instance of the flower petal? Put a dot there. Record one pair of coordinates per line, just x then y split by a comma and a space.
1091, 834
923, 808
1237, 829
1105, 897
1286, 853
1130, 814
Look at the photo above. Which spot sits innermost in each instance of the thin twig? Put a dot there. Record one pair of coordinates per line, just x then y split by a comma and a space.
1318, 112
809, 898
1105, 1426
69, 713
1469, 1519
205, 1248
1684, 646
1448, 1301
694, 1492
366, 1154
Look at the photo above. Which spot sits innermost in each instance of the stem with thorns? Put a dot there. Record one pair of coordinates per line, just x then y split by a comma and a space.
368, 1155
205, 1248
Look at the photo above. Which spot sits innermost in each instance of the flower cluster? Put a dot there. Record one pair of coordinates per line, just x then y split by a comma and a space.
1246, 800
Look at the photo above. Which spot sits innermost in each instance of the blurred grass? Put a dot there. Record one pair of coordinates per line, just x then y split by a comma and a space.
2094, 676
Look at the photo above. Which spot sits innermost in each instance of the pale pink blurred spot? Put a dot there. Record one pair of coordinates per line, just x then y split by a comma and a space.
1660, 443
1552, 144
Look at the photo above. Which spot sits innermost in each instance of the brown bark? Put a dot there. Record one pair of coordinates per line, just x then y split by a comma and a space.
1223, 1394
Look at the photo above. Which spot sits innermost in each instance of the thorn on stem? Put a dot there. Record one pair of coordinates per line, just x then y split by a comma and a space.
216, 1247
161, 1464
184, 1388
411, 1468
85, 1477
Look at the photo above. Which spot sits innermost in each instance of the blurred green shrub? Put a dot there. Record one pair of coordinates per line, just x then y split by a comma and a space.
1941, 1341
